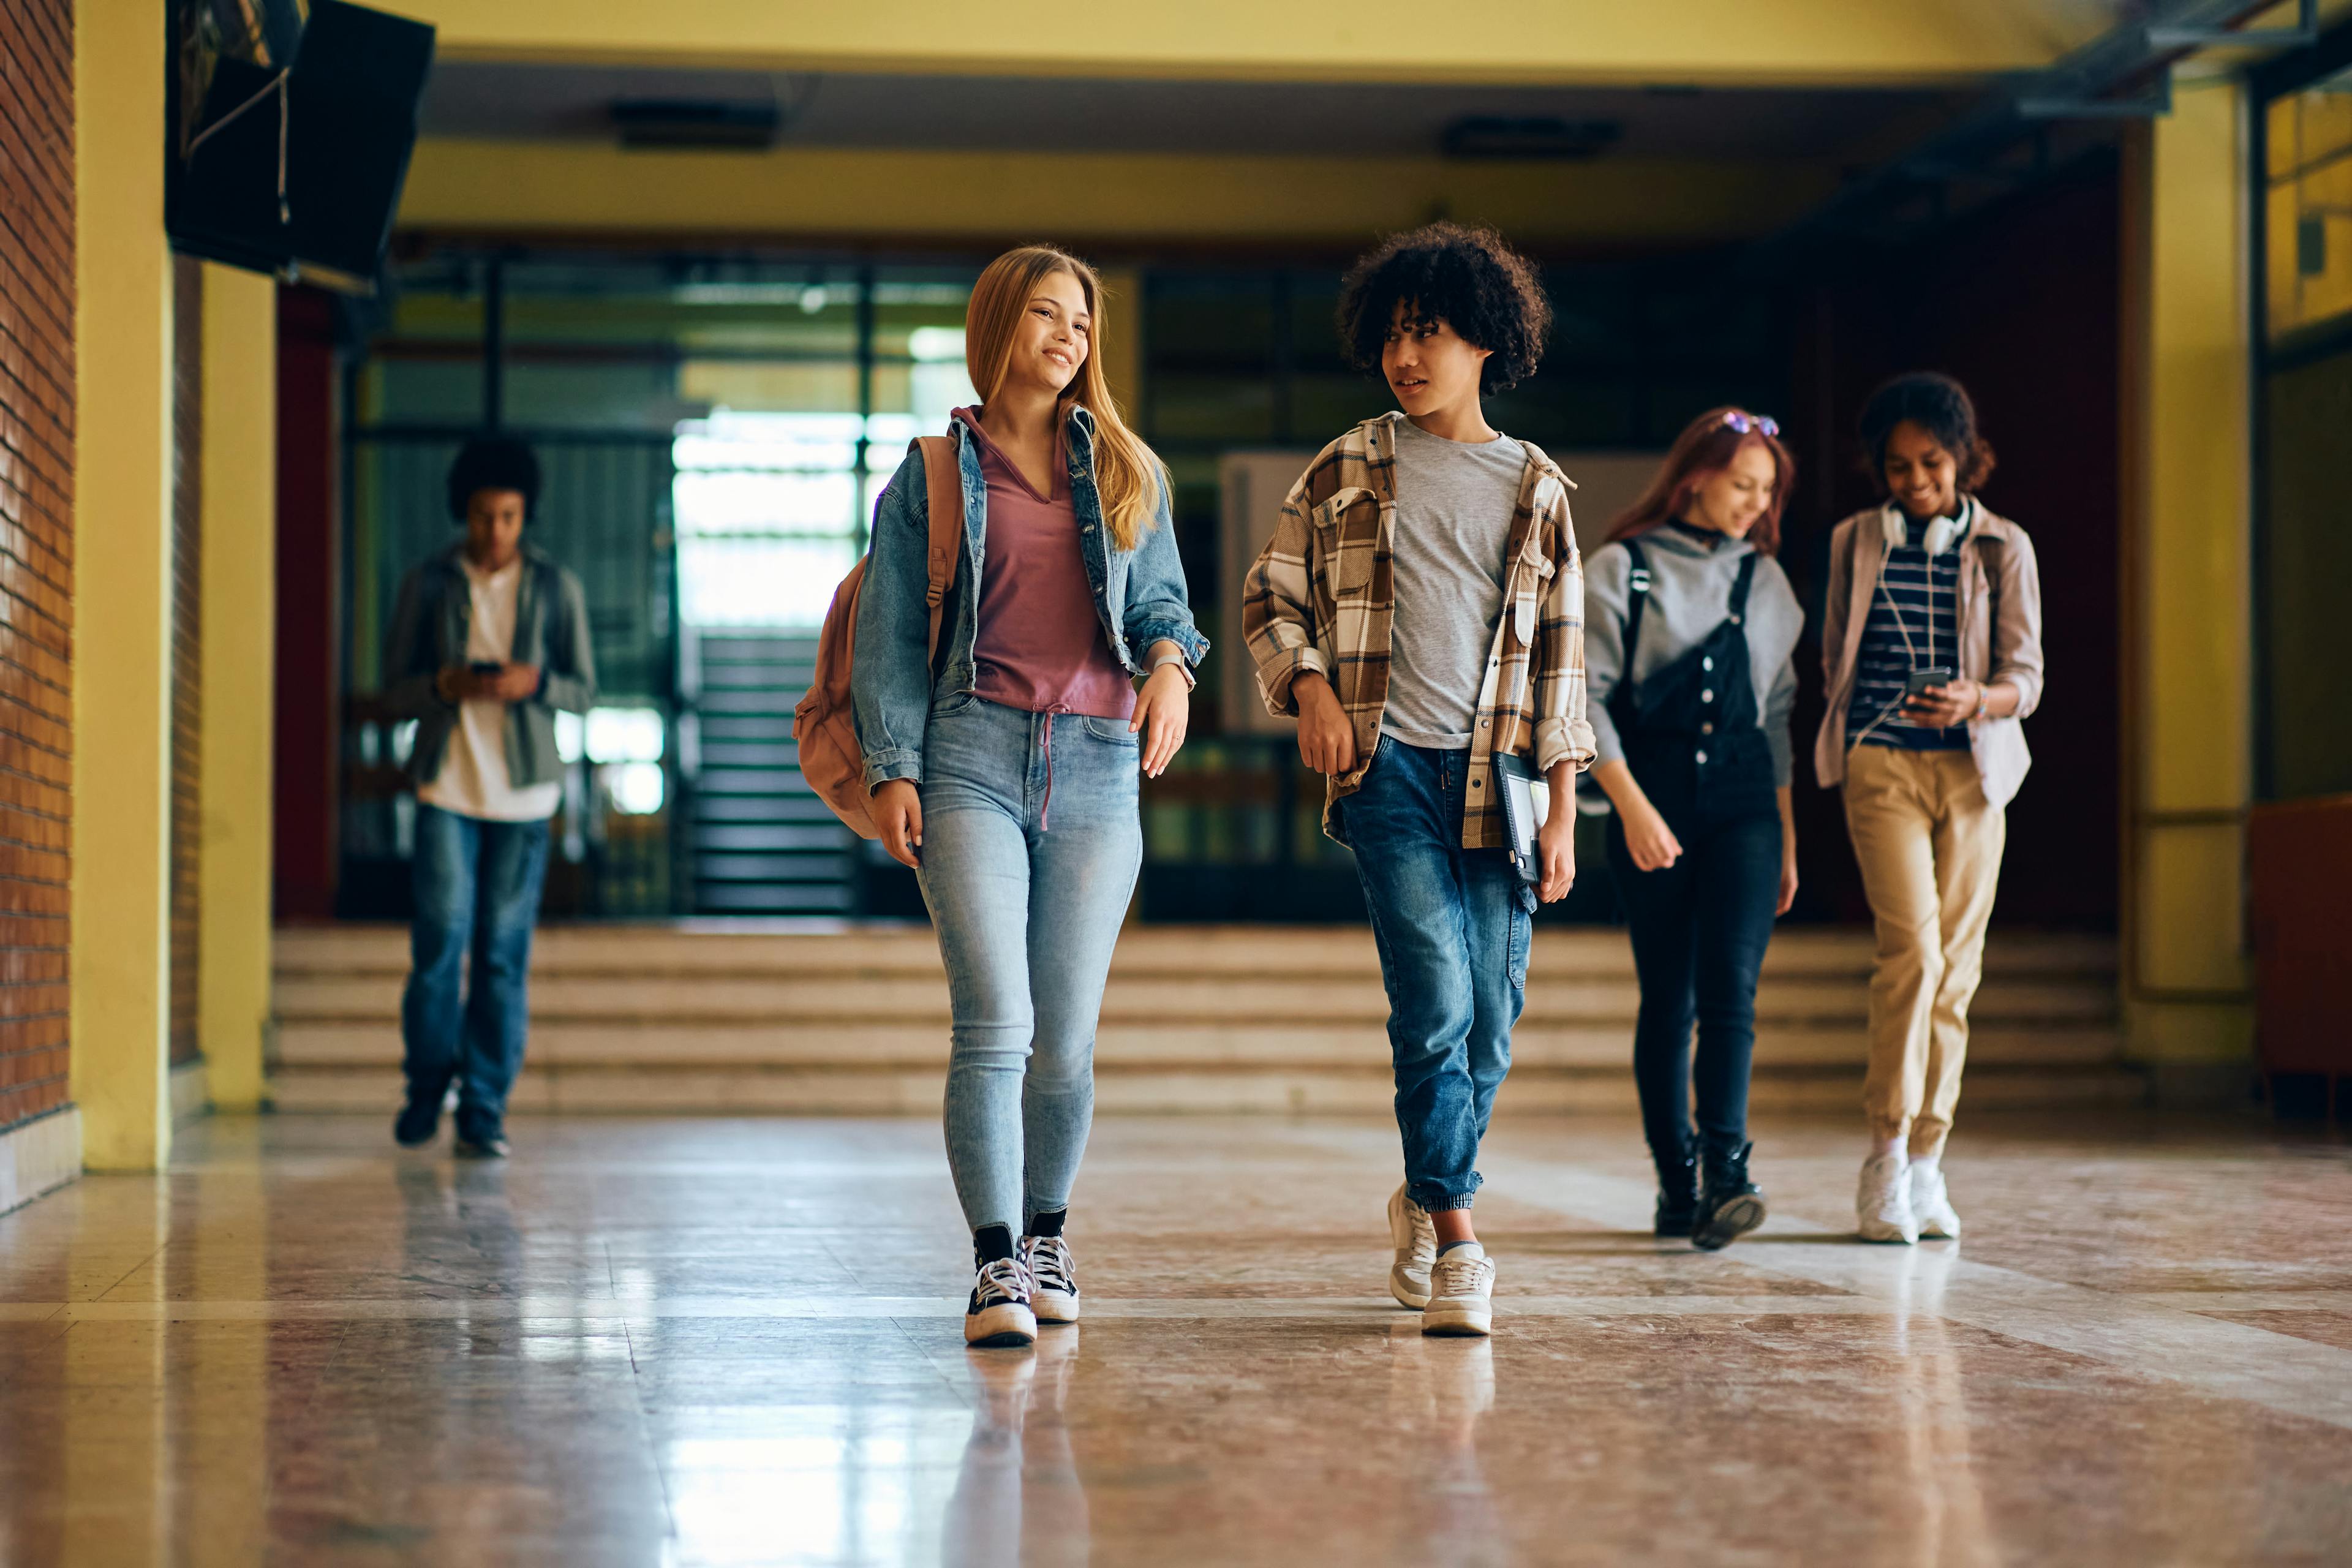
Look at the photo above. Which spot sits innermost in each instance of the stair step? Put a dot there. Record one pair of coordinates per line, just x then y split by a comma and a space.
770, 756
760, 836
587, 1041
1206, 1004
729, 727
799, 806
863, 1091
767, 702
1291, 953
773, 897
797, 866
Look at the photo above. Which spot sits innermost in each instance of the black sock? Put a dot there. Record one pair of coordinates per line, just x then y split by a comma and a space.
990, 1244
1450, 1245
1047, 1224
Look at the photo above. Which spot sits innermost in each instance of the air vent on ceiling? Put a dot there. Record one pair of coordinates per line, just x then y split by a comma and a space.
697, 123
1540, 136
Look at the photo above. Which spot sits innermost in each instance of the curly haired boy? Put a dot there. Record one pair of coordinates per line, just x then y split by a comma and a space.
1419, 610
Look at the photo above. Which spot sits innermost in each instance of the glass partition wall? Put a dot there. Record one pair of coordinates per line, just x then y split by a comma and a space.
714, 433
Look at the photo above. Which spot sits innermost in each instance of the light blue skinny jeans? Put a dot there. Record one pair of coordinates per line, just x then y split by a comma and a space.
1031, 845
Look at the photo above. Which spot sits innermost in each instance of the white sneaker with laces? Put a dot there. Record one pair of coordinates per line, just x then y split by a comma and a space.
1416, 1240
1461, 1292
999, 1313
1053, 1278
1931, 1205
1882, 1203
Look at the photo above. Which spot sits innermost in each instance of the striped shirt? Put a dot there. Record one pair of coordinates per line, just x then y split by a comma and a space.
1914, 624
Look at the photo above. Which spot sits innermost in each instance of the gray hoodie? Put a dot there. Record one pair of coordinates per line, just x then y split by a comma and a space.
1690, 593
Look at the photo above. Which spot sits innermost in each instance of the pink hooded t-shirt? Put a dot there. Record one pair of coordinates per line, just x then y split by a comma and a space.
1041, 645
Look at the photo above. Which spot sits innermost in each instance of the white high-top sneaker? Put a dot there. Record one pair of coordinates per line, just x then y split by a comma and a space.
1882, 1203
1931, 1205
1053, 1278
999, 1313
1416, 1240
1461, 1292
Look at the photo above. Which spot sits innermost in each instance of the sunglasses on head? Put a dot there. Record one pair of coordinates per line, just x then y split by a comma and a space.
1752, 423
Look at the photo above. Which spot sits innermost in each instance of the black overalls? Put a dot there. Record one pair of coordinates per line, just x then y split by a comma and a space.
1700, 926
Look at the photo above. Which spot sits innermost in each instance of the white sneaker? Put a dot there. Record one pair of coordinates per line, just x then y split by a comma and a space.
1882, 1205
1416, 1240
1461, 1293
1931, 1204
1053, 1278
999, 1313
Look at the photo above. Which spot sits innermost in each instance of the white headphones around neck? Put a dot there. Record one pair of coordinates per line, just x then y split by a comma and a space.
1942, 533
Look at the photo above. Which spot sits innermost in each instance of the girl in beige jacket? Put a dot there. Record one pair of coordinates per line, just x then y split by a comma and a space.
1931, 644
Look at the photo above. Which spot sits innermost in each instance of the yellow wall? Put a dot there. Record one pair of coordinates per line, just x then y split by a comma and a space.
240, 470
1846, 42
1089, 197
122, 598
2188, 1008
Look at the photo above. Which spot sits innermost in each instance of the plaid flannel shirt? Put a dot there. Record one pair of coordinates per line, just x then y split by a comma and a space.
1322, 598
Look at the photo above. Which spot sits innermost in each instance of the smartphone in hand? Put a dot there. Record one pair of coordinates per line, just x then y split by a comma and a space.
1922, 680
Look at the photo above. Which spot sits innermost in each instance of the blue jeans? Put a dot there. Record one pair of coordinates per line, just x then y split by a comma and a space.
1453, 927
1699, 928
1031, 840
477, 886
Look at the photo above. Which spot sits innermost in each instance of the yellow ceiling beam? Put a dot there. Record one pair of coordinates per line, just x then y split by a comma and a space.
517, 187
1751, 42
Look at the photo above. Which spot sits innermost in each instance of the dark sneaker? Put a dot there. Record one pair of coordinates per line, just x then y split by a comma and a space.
1053, 1278
486, 1146
1000, 1313
417, 1122
1729, 1205
1677, 1207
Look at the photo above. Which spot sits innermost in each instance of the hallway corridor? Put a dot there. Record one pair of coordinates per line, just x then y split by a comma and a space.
645, 1342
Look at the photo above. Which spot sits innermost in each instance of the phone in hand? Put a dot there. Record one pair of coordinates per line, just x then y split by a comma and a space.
486, 667
1921, 679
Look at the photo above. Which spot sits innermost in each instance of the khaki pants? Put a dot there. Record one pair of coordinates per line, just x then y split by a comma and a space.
1929, 844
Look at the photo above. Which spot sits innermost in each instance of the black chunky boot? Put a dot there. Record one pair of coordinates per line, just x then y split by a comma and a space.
1677, 1192
1729, 1205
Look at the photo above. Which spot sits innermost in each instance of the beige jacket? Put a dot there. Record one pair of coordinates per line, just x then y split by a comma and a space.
2000, 637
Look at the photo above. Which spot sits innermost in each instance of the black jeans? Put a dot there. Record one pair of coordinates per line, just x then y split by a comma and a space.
1699, 927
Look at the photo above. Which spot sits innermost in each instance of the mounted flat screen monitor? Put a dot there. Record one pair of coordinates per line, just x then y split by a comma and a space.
290, 137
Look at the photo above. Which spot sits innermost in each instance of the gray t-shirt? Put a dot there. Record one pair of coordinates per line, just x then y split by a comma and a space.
1454, 501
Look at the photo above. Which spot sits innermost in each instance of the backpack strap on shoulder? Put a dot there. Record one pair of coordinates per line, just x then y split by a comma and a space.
1637, 599
943, 487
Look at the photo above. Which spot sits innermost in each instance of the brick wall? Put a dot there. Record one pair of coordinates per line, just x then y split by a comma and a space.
37, 487
188, 656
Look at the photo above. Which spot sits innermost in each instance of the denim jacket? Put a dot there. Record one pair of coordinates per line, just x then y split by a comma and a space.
429, 628
1138, 595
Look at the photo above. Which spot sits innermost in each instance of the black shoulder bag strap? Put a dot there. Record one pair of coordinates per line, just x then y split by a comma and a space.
1637, 599
1739, 590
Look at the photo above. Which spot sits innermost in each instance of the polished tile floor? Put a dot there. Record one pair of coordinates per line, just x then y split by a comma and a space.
682, 1343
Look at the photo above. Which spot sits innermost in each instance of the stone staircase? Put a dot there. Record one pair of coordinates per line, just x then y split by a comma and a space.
810, 1017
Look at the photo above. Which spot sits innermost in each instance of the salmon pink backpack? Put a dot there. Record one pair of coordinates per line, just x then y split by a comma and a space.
824, 723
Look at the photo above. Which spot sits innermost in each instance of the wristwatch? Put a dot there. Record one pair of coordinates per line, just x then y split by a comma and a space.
1182, 668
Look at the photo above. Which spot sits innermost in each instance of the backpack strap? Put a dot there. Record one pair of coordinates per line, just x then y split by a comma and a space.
1637, 599
943, 484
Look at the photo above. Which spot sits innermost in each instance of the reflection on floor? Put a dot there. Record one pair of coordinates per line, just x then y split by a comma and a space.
731, 1343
